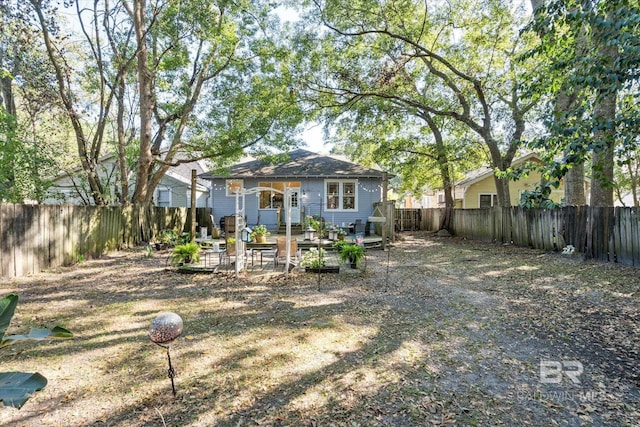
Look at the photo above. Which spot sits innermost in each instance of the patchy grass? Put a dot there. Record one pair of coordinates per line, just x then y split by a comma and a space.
453, 335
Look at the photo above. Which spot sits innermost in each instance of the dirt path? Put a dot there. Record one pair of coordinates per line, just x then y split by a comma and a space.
435, 332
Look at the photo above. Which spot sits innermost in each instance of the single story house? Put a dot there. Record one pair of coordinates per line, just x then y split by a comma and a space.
330, 187
174, 189
478, 189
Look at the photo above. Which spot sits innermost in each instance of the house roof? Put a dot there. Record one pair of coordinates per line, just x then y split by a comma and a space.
300, 164
479, 174
181, 172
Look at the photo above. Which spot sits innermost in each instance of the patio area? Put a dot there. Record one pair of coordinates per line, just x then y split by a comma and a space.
261, 257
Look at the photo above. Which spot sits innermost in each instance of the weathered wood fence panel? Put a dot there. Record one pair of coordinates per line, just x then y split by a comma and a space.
34, 237
37, 237
408, 219
600, 233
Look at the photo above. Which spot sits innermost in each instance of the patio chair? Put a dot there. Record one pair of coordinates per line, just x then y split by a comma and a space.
281, 251
358, 227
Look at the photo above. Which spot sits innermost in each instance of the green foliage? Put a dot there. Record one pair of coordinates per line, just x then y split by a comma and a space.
315, 223
17, 387
404, 90
185, 254
260, 230
314, 258
339, 244
538, 198
168, 237
588, 54
352, 253
221, 85
26, 166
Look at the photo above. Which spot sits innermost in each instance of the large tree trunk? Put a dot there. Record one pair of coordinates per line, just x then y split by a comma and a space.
145, 159
502, 163
442, 159
574, 192
565, 102
122, 146
604, 113
503, 192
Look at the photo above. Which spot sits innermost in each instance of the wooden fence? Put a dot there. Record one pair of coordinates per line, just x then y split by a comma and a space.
37, 237
604, 234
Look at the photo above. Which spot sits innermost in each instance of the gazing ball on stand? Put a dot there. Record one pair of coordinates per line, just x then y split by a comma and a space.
165, 328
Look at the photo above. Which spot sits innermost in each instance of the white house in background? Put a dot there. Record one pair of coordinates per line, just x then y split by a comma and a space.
174, 189
426, 200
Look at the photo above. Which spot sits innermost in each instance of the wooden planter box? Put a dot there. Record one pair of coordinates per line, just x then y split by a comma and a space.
330, 269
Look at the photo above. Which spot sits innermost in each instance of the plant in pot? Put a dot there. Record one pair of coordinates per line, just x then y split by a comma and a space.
231, 246
260, 233
339, 244
341, 234
165, 239
185, 254
314, 259
352, 253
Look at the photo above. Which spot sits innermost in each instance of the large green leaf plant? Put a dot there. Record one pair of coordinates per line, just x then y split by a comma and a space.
17, 387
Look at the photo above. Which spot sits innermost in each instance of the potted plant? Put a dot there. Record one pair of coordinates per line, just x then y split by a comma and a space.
260, 233
352, 253
339, 244
185, 254
165, 239
341, 234
231, 246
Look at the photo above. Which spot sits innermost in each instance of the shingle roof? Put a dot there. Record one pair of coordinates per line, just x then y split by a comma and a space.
300, 164
481, 173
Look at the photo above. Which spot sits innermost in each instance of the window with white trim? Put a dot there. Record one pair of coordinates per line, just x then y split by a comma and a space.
163, 197
233, 186
488, 200
341, 195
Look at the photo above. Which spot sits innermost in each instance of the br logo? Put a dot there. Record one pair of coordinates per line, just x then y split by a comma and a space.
553, 371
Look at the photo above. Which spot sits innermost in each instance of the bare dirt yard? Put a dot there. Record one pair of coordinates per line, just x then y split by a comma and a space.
437, 331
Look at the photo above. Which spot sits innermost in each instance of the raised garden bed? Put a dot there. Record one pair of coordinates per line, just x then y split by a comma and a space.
328, 269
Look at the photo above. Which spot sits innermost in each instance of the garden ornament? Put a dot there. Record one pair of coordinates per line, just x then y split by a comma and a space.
165, 328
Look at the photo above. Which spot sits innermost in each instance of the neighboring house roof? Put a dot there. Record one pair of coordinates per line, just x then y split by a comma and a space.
182, 173
484, 172
301, 164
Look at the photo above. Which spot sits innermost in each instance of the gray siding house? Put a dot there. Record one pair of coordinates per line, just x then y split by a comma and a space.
321, 185
174, 190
